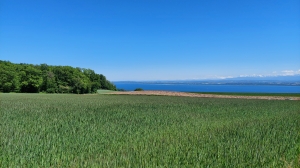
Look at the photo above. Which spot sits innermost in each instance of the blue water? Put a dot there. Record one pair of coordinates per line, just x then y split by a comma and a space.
210, 88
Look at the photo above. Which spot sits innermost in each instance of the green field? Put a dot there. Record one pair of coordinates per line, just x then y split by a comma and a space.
56, 130
104, 91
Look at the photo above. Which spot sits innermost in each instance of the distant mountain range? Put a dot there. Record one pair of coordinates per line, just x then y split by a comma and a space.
256, 80
294, 78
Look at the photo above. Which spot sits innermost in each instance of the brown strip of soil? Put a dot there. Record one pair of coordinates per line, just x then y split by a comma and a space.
167, 93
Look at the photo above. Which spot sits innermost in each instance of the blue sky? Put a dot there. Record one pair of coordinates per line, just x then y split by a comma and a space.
155, 39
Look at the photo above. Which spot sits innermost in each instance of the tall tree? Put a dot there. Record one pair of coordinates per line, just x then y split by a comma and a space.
31, 79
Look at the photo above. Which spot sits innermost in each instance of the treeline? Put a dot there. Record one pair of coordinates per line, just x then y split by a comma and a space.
29, 78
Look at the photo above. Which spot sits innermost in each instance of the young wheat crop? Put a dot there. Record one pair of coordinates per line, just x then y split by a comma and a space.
39, 130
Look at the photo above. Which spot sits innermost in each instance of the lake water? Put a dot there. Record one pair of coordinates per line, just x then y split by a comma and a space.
209, 88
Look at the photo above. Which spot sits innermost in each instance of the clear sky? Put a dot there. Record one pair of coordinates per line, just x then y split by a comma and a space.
155, 39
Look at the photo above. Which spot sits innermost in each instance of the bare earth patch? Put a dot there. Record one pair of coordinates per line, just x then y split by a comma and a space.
167, 93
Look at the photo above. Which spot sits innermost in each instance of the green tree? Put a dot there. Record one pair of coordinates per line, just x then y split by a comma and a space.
51, 86
8, 77
31, 79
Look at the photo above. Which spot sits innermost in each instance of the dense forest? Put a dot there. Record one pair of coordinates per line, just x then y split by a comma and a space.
29, 78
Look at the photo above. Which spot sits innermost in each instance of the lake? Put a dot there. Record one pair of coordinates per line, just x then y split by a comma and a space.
209, 88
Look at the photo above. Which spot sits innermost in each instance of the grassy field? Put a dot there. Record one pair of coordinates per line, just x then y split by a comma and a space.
44, 130
104, 91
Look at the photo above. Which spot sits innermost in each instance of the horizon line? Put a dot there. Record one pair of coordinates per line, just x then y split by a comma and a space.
213, 78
